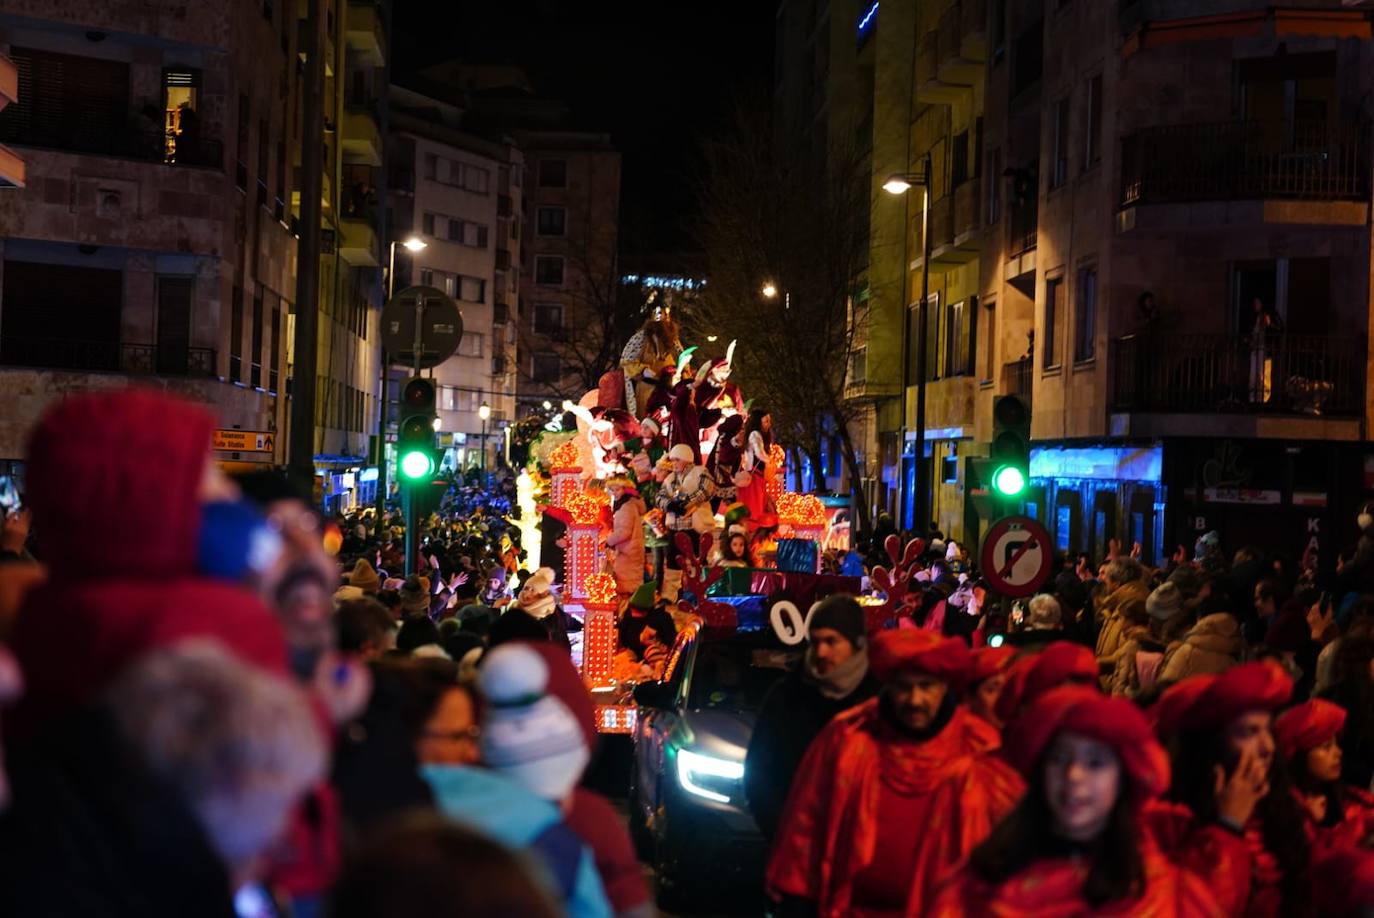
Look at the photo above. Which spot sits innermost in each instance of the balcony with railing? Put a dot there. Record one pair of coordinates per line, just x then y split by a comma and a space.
1313, 375
93, 137
1016, 378
1240, 160
362, 138
956, 65
365, 32
1023, 225
106, 357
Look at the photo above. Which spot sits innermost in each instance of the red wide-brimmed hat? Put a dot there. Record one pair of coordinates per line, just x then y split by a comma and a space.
1087, 712
1221, 699
988, 662
914, 649
1308, 725
1030, 677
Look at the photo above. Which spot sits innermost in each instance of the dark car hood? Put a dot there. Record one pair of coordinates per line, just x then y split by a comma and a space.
720, 733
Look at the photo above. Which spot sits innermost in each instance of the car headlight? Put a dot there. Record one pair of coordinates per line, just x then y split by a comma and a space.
707, 776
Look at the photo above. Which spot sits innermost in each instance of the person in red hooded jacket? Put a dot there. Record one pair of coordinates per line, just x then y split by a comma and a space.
893, 792
1338, 816
1073, 845
1229, 805
116, 482
1032, 675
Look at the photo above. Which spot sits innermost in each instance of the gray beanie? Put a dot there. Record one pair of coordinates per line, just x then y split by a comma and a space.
1165, 602
840, 613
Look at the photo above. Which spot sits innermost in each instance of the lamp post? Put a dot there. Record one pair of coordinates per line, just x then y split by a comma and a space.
770, 292
901, 183
484, 413
413, 244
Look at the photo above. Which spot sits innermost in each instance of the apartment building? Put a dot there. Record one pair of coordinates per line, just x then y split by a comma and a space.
461, 193
825, 55
1157, 175
929, 69
569, 263
348, 375
153, 238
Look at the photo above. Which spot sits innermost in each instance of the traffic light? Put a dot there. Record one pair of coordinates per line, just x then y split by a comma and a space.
1010, 446
415, 437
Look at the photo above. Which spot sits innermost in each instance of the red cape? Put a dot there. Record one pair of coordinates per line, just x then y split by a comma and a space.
1052, 888
829, 827
1227, 858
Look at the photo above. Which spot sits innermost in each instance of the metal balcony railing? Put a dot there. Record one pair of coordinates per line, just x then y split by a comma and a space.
151, 145
106, 357
1023, 225
1238, 160
1016, 378
1287, 374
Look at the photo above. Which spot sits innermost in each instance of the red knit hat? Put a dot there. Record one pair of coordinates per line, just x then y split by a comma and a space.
1248, 687
1086, 711
1174, 701
1306, 726
1032, 676
907, 649
988, 662
113, 479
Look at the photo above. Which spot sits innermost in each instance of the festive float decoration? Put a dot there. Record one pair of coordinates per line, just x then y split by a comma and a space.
564, 473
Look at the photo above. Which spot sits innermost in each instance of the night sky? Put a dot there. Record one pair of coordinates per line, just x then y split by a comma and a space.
659, 76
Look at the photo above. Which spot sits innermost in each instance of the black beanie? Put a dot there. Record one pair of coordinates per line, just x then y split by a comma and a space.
841, 613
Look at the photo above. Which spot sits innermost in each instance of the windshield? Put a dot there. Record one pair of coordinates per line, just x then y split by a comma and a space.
736, 676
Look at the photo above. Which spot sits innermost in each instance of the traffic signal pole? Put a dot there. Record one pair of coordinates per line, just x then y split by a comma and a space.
408, 501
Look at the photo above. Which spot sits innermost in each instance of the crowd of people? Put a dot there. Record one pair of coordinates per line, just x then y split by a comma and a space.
209, 714
219, 703
1192, 739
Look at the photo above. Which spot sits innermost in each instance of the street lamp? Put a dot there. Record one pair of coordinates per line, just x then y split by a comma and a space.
484, 413
770, 292
900, 183
412, 245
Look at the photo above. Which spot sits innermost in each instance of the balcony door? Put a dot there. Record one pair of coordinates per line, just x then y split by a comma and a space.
174, 295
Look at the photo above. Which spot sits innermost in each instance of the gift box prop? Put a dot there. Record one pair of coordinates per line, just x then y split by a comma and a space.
564, 473
585, 510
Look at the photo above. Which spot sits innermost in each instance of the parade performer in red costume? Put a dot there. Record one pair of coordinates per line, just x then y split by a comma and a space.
892, 793
1229, 806
1338, 816
1073, 845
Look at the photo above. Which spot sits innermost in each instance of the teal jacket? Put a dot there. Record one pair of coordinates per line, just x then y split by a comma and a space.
508, 813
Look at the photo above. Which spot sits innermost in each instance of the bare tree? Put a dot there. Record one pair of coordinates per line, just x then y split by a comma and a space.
789, 219
600, 313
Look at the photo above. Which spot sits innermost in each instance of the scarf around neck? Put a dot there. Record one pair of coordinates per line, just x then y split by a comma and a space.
841, 681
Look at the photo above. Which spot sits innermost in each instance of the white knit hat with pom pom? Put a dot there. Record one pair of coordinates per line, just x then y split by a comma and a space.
528, 733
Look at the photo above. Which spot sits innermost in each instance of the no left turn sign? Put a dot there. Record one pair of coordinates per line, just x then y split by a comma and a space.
1016, 558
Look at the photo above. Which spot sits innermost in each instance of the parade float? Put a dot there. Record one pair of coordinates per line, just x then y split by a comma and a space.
654, 407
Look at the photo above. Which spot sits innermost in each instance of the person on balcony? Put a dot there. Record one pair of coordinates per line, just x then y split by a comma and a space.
1264, 331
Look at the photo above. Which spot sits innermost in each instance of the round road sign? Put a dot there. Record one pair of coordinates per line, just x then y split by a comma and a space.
1016, 556
441, 327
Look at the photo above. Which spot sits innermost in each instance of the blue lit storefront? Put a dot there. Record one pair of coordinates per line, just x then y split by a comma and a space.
1088, 495
1279, 497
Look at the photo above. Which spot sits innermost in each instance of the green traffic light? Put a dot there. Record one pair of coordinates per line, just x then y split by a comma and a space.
1008, 480
417, 464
